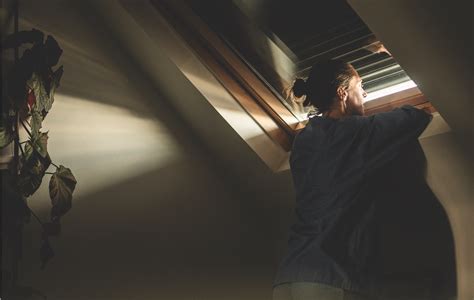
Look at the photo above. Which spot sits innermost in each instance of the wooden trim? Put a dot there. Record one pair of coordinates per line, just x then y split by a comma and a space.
239, 80
417, 100
249, 104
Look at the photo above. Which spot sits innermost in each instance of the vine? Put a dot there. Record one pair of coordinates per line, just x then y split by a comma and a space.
27, 97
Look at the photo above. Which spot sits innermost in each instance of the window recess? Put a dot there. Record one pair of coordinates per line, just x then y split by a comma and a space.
256, 48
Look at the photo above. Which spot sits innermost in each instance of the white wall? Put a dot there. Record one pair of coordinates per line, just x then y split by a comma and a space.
450, 176
155, 215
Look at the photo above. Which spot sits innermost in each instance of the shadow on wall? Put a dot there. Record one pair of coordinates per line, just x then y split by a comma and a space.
173, 233
416, 254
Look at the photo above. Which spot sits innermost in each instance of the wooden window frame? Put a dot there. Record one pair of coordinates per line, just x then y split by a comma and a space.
254, 96
396, 100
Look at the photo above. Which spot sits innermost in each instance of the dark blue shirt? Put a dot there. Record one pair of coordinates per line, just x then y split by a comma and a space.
332, 161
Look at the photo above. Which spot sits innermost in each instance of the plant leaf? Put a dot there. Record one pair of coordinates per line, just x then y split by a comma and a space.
6, 137
28, 152
36, 120
52, 51
56, 77
32, 171
61, 187
39, 143
16, 39
30, 99
46, 252
42, 98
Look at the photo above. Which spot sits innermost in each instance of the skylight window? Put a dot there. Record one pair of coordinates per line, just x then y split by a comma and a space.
256, 51
279, 42
390, 90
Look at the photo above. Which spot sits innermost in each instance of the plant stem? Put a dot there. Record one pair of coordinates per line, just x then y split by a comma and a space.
16, 156
49, 173
55, 165
18, 144
15, 24
27, 131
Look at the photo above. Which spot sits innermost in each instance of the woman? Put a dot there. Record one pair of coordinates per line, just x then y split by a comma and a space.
332, 161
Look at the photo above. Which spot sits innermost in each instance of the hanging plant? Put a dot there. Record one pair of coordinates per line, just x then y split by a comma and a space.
28, 96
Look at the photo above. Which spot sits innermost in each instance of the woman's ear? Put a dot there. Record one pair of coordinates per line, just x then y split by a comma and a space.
342, 93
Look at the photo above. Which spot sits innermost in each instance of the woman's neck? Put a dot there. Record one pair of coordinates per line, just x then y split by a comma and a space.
337, 111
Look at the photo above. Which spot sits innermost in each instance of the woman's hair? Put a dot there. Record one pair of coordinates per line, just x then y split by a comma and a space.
320, 88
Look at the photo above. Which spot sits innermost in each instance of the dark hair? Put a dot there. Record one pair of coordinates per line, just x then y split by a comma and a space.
321, 86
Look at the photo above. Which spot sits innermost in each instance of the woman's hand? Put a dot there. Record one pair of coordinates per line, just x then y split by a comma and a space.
378, 47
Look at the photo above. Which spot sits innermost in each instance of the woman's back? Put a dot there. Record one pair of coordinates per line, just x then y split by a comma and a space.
332, 162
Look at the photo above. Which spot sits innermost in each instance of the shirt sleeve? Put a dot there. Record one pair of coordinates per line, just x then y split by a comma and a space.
386, 133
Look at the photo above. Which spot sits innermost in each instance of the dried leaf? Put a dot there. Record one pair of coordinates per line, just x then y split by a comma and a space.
46, 252
61, 187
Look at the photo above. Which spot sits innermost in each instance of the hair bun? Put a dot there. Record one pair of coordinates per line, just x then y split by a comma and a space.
299, 88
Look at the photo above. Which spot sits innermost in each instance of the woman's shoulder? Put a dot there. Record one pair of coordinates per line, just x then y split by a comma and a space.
318, 126
352, 123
